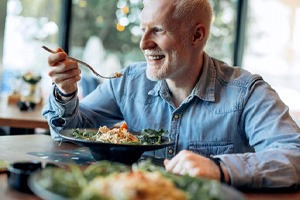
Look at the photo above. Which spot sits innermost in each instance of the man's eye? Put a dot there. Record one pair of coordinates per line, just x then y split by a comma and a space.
157, 30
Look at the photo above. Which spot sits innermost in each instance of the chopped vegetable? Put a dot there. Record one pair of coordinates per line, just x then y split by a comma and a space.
124, 126
150, 136
104, 168
67, 183
86, 134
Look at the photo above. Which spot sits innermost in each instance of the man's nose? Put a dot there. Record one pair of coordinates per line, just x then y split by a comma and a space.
147, 42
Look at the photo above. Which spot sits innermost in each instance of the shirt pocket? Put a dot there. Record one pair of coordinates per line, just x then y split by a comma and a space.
211, 148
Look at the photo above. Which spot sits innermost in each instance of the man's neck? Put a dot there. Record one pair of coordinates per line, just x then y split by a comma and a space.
182, 87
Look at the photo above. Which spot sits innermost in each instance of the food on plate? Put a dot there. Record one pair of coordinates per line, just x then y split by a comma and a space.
115, 135
109, 181
135, 185
121, 135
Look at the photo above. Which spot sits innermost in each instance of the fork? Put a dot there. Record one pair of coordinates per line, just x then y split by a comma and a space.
116, 75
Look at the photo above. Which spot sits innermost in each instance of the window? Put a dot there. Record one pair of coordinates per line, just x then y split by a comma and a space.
106, 35
29, 24
223, 31
272, 46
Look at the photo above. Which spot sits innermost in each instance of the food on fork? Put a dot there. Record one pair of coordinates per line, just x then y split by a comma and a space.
116, 75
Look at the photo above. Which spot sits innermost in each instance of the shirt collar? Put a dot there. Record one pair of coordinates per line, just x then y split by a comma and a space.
205, 87
158, 87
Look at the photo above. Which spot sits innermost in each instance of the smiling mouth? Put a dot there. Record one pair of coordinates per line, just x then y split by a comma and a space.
155, 57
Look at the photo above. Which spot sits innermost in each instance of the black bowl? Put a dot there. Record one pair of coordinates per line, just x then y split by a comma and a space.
19, 172
123, 153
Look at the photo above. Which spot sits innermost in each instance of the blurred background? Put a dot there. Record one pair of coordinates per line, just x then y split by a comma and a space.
260, 36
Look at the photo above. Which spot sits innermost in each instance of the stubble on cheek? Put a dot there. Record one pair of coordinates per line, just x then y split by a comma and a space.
151, 73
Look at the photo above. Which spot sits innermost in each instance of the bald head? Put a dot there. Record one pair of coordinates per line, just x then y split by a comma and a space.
194, 12
188, 12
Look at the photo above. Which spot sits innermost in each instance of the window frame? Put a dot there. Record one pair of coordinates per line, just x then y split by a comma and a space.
3, 11
65, 27
242, 10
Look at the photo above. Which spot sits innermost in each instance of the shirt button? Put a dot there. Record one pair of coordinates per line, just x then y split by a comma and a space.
165, 94
170, 151
176, 116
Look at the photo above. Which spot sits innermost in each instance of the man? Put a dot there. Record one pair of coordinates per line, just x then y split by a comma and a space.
209, 108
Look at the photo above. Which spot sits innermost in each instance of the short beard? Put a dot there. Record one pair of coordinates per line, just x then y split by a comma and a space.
166, 72
152, 76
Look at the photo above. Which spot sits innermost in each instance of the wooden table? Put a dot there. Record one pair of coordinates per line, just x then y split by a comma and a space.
11, 116
17, 148
20, 147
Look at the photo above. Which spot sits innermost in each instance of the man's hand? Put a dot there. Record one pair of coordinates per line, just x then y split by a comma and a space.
63, 72
187, 162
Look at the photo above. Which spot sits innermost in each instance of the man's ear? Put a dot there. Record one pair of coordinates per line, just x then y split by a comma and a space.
199, 33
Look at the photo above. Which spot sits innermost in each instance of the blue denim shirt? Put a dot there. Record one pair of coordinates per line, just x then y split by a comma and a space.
230, 113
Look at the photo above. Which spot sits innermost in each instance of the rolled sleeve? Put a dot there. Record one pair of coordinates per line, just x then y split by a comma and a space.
60, 115
271, 168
